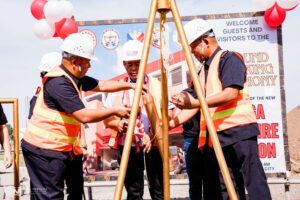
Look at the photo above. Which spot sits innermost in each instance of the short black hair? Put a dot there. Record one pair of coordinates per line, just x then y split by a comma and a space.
43, 73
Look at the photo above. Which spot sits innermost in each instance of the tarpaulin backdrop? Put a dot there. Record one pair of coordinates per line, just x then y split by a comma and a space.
246, 33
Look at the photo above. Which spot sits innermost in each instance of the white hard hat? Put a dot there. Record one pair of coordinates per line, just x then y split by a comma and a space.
79, 44
132, 50
196, 28
49, 61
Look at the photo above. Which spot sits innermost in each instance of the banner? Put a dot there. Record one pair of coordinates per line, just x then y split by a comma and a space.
246, 33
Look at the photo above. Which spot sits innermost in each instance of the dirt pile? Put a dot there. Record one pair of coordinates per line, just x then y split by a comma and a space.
293, 126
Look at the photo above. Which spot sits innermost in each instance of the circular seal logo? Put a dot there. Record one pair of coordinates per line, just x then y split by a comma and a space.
92, 34
110, 39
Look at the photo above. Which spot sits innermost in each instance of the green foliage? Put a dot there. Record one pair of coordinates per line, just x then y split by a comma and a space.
10, 132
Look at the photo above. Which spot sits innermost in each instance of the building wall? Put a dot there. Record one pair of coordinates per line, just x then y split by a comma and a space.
92, 102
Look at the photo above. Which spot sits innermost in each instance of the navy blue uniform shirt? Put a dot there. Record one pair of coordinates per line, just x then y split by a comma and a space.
232, 74
60, 94
3, 119
191, 128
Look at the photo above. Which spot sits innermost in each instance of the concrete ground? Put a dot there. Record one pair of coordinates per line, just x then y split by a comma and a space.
104, 190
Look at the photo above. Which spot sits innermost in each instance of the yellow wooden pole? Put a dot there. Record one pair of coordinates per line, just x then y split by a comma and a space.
136, 100
16, 142
204, 107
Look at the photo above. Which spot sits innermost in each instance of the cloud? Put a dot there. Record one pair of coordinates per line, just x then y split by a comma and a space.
118, 68
114, 9
20, 55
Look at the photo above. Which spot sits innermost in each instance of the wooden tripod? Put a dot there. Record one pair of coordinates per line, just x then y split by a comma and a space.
163, 7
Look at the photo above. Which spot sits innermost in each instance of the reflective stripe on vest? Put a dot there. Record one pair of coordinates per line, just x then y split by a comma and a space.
49, 114
235, 113
51, 129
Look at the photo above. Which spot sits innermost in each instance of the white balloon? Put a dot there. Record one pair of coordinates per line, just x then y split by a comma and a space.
287, 4
44, 29
53, 11
264, 4
68, 9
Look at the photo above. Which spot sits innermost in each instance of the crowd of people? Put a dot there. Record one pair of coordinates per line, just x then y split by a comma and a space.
54, 143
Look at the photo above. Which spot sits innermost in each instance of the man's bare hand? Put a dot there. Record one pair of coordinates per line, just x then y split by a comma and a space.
144, 88
184, 100
123, 111
147, 143
122, 126
8, 160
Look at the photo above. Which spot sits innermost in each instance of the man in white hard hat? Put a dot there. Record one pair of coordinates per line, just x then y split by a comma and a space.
134, 180
223, 78
48, 61
51, 143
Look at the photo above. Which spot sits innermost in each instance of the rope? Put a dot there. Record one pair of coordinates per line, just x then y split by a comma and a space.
146, 174
165, 49
153, 138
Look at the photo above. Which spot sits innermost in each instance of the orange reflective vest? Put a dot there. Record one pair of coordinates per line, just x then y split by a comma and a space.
235, 113
52, 129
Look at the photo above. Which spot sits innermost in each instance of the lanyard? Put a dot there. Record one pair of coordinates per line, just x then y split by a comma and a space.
126, 97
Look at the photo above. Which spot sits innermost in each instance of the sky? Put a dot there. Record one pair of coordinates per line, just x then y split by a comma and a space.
21, 50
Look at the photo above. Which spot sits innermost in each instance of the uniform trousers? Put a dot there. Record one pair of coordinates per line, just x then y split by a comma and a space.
134, 179
194, 165
49, 172
246, 171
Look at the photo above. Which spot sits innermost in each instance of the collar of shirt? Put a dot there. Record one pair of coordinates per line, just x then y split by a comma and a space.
74, 78
208, 62
130, 81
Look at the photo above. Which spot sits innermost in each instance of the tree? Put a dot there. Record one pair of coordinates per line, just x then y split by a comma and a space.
10, 132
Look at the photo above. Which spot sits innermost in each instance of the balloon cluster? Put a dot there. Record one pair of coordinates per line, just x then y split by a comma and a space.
276, 10
54, 18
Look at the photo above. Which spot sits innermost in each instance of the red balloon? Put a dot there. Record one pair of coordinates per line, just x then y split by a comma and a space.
37, 9
69, 26
58, 26
275, 16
